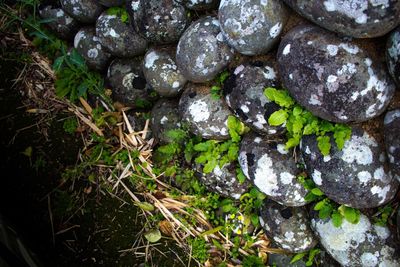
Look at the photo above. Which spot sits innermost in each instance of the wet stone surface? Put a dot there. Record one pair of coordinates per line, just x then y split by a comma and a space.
331, 77
201, 52
357, 176
200, 5
84, 11
111, 3
252, 27
392, 140
272, 169
393, 55
63, 25
164, 117
288, 227
118, 37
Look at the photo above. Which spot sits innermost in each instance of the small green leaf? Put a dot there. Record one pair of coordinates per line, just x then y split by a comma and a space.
153, 236
210, 165
350, 214
316, 191
325, 212
297, 257
337, 219
145, 206
278, 117
28, 152
324, 144
255, 220
320, 205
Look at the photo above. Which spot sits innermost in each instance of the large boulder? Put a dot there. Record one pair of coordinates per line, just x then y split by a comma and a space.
84, 11
200, 5
393, 55
392, 140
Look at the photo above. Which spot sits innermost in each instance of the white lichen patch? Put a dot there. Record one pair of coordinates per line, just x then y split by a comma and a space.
127, 81
364, 177
358, 150
150, 59
78, 37
332, 50
286, 178
286, 50
269, 73
164, 119
243, 163
245, 108
355, 10
317, 177
281, 149
199, 111
391, 116
238, 69
93, 53
275, 30
264, 177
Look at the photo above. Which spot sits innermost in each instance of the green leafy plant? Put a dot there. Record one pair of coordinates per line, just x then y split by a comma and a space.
216, 89
199, 249
70, 125
119, 12
310, 255
383, 215
252, 261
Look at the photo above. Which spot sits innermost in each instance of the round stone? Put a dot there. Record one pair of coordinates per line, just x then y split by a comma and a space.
111, 3
88, 46
244, 94
164, 117
356, 18
333, 77
288, 227
357, 176
84, 11
205, 115
392, 140
161, 72
252, 27
118, 37
159, 21
272, 169
393, 55
201, 53
63, 25
200, 5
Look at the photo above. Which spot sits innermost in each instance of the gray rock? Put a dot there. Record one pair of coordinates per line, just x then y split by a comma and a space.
252, 27
88, 46
272, 169
201, 53
63, 25
118, 37
164, 117
161, 72
84, 11
200, 5
357, 176
393, 55
392, 140
159, 21
206, 116
288, 227
331, 77
321, 259
244, 94
361, 244
111, 3
356, 18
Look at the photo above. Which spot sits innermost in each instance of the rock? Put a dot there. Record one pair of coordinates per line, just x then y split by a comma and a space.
200, 5
357, 176
201, 53
64, 26
118, 37
128, 83
111, 3
271, 169
361, 244
283, 260
359, 19
159, 21
206, 116
252, 27
164, 117
288, 227
244, 94
331, 77
161, 72
84, 11
88, 46
392, 140
398, 223
393, 55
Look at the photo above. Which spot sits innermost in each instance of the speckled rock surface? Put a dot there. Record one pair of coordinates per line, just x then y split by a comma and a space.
201, 53
331, 77
63, 25
159, 21
244, 94
356, 18
252, 27
362, 244
200, 5
223, 181
118, 37
88, 46
128, 83
111, 3
162, 73
288, 227
84, 11
393, 55
392, 140
271, 169
206, 117
282, 260
357, 176
164, 117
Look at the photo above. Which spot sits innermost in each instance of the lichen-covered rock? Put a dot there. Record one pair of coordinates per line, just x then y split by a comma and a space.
357, 176
393, 55
359, 245
392, 140
252, 27
164, 117
288, 227
159, 21
63, 25
272, 169
205, 115
201, 53
223, 181
84, 11
111, 3
356, 18
118, 37
88, 46
283, 260
331, 77
162, 73
244, 94
128, 83
200, 5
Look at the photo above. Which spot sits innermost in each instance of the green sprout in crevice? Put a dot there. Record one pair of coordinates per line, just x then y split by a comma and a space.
216, 89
